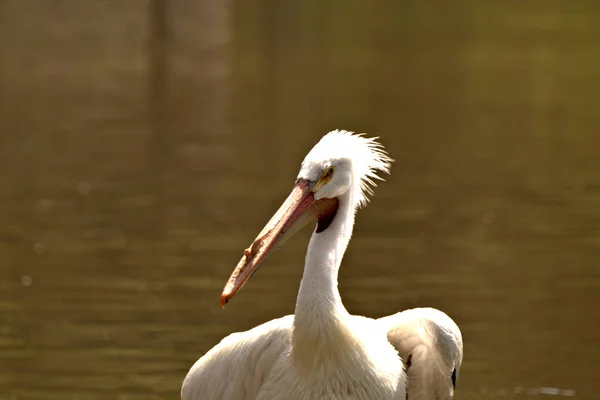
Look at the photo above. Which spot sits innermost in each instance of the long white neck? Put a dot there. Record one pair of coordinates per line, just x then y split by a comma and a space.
320, 317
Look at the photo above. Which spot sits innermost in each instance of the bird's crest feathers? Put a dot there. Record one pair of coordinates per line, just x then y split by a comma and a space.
368, 157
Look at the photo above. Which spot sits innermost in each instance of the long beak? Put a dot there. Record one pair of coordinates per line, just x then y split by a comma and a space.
296, 211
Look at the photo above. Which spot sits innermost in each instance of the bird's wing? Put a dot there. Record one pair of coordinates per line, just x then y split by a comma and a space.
430, 344
238, 366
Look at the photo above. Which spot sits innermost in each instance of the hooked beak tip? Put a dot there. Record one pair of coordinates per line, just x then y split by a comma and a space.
224, 300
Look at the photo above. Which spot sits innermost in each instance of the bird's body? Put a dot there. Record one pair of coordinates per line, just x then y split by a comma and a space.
340, 372
323, 352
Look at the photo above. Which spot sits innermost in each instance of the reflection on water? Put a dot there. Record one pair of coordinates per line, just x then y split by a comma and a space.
142, 148
520, 392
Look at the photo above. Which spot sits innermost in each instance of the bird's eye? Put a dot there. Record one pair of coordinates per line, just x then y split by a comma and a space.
329, 171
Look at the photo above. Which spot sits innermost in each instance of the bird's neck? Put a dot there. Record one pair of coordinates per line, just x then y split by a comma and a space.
320, 317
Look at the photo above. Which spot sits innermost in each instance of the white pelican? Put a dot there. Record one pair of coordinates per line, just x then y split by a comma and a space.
323, 352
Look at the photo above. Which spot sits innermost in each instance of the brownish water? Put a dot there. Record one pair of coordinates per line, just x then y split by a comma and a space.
143, 146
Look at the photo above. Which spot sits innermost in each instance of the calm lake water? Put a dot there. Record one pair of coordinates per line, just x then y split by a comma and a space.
143, 146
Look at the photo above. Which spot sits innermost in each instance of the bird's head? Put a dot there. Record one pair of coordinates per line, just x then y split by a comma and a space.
341, 165
344, 163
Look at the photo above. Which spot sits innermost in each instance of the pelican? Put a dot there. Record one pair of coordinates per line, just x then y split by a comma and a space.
322, 351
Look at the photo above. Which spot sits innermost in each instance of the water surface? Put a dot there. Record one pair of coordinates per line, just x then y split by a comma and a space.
143, 146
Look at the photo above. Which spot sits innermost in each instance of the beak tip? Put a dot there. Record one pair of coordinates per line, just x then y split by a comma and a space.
224, 300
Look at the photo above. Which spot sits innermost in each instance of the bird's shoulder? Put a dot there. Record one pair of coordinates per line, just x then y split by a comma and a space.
239, 364
423, 326
430, 344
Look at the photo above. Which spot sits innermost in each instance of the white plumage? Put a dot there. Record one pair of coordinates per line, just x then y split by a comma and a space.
323, 352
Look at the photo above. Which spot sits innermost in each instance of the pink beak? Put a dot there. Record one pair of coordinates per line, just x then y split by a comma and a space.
296, 211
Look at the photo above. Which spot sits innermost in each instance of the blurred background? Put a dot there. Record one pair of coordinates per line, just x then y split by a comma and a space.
144, 144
